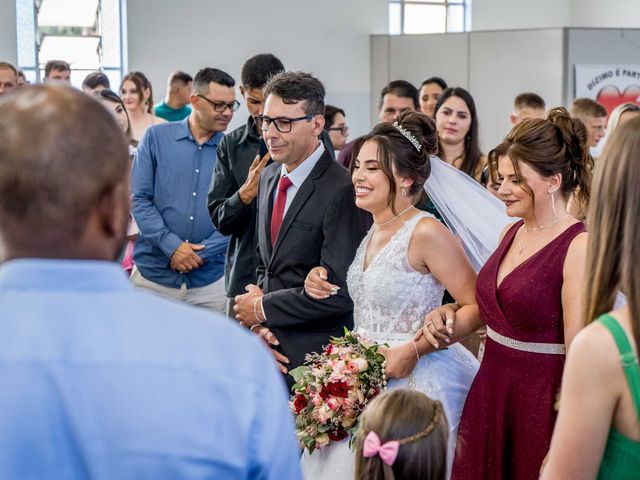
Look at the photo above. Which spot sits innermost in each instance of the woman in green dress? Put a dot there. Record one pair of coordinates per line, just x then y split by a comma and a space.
597, 434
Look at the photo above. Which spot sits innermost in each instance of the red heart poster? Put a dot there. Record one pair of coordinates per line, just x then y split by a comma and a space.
609, 85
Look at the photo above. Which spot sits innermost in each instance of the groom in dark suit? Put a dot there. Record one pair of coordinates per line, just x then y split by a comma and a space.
306, 217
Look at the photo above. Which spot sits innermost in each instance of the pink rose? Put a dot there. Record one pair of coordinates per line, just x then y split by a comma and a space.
352, 367
317, 400
338, 366
323, 414
333, 403
362, 364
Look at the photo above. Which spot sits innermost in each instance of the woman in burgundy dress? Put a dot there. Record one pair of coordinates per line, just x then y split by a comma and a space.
529, 296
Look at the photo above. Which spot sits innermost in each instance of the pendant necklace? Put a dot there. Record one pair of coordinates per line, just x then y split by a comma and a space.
522, 246
378, 225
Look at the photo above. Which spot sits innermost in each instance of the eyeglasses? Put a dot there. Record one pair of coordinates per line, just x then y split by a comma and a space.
221, 106
343, 130
283, 124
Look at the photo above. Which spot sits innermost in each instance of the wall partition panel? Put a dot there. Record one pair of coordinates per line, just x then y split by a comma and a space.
415, 58
506, 63
380, 71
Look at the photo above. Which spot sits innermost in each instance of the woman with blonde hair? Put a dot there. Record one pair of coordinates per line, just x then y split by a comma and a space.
132, 92
620, 115
402, 435
597, 434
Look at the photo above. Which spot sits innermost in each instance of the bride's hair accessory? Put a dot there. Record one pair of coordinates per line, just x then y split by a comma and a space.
388, 452
409, 136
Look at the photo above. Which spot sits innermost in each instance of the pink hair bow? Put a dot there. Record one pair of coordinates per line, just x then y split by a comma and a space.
387, 451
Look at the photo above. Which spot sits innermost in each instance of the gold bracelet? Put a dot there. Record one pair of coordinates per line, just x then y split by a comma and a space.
415, 346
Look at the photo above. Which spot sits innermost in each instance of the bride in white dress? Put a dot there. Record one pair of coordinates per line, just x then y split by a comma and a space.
399, 274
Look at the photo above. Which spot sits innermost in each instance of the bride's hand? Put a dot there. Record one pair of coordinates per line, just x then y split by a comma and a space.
401, 360
316, 285
438, 324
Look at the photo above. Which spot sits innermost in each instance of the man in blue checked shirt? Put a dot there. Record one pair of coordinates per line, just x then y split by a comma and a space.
178, 252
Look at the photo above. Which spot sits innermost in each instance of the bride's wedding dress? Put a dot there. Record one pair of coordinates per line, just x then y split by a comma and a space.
390, 302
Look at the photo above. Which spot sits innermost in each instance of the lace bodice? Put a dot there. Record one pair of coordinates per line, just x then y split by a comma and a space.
390, 296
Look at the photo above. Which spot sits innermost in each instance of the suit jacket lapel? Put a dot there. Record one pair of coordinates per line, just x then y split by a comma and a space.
266, 208
304, 192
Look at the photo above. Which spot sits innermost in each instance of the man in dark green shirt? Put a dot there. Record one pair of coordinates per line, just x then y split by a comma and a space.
175, 106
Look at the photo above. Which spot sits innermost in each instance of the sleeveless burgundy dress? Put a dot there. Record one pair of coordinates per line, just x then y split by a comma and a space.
509, 414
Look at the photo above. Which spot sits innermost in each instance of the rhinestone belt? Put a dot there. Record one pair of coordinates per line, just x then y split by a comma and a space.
548, 348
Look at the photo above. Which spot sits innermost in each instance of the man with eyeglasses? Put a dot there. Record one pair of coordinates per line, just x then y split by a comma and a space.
306, 217
178, 252
335, 124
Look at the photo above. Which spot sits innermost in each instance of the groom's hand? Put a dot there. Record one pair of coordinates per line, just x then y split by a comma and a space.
271, 341
248, 307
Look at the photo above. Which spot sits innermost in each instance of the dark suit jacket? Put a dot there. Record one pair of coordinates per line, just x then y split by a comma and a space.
323, 227
229, 215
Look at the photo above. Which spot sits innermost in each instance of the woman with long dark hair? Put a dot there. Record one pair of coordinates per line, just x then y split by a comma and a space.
457, 125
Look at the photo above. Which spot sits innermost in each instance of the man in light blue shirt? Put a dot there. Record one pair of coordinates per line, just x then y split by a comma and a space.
99, 380
178, 252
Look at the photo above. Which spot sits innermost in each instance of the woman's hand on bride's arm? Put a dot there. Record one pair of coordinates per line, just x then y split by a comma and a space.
316, 285
443, 255
401, 360
438, 324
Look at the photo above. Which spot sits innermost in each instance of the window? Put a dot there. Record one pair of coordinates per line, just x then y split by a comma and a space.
85, 33
428, 16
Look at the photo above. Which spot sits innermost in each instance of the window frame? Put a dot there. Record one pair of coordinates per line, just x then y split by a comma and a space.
447, 4
35, 71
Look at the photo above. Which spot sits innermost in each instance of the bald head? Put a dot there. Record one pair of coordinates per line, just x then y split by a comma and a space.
64, 168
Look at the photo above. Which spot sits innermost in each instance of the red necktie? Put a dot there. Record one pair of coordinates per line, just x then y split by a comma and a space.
278, 208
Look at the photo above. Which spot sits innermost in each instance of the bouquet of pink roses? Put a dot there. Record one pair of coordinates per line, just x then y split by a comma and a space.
333, 387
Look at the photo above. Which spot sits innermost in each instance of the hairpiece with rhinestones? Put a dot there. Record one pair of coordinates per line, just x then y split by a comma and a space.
409, 136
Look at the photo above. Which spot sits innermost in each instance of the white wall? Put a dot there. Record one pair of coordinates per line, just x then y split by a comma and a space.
525, 14
520, 14
493, 66
504, 64
608, 13
329, 39
415, 58
8, 42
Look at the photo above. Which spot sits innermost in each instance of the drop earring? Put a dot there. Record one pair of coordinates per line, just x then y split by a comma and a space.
553, 204
403, 190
